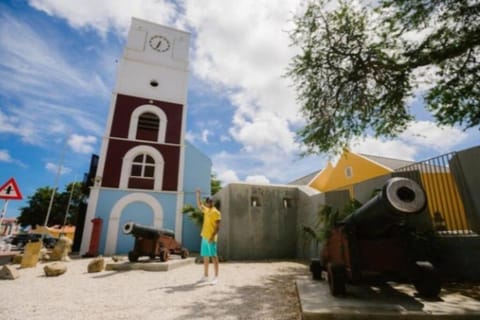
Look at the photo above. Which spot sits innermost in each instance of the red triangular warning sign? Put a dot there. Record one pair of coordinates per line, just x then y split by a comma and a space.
10, 190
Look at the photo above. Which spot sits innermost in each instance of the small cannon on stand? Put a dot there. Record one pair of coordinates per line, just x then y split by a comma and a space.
374, 243
153, 243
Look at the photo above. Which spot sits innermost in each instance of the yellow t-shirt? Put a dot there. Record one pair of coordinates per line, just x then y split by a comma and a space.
210, 217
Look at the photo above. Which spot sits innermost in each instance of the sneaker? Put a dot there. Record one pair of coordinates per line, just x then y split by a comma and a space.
203, 280
214, 281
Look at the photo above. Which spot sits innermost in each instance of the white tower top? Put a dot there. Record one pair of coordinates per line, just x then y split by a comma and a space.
155, 63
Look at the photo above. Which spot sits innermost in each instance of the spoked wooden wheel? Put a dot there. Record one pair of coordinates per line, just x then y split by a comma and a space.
336, 279
132, 256
427, 280
164, 255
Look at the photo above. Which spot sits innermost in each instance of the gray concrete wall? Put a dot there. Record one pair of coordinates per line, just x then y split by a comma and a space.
466, 171
264, 231
310, 202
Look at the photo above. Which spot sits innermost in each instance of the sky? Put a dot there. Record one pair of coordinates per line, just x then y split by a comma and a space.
58, 62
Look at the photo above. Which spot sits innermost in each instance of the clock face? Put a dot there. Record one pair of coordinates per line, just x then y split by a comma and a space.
159, 43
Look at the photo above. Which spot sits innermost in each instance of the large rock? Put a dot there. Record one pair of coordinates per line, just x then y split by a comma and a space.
96, 265
8, 273
55, 269
31, 254
62, 249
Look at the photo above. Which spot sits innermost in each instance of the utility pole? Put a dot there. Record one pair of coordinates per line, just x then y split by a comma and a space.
59, 171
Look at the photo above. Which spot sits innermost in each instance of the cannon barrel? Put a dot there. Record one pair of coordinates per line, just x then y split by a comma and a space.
399, 198
139, 230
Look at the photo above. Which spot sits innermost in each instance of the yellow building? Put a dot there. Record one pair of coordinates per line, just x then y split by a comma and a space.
57, 231
444, 201
352, 168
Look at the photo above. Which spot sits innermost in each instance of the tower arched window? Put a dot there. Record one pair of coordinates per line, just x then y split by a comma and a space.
148, 126
143, 166
148, 122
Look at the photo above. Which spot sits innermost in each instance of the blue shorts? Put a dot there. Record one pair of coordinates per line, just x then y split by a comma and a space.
208, 249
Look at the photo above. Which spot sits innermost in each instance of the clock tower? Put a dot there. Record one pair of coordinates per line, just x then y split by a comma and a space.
140, 174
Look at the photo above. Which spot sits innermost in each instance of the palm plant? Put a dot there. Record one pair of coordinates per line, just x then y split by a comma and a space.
194, 214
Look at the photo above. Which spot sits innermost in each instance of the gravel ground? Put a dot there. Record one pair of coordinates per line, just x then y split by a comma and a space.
246, 290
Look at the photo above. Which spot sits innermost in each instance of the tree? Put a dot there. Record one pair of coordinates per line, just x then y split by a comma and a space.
215, 184
358, 66
192, 211
36, 211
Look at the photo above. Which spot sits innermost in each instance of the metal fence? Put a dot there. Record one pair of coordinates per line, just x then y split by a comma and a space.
443, 181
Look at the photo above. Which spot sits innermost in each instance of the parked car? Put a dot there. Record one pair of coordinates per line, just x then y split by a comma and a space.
21, 239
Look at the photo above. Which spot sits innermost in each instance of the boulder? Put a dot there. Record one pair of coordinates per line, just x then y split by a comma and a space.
8, 273
55, 269
96, 265
62, 249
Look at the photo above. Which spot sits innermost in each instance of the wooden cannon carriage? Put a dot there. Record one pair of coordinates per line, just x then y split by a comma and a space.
375, 243
153, 243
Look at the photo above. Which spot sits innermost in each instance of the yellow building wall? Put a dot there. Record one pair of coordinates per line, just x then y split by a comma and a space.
335, 177
321, 181
68, 231
443, 197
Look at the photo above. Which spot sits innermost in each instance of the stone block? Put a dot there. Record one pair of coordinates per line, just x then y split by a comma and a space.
55, 269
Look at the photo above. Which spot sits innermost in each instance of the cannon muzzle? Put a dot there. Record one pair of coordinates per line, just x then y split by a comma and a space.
139, 230
399, 198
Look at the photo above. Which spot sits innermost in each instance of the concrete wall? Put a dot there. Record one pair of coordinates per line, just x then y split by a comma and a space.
309, 215
266, 230
310, 202
465, 169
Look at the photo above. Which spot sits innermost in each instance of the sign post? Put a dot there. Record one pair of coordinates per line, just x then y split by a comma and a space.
9, 191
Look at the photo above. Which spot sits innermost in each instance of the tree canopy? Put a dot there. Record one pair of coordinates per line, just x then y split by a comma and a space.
36, 211
358, 66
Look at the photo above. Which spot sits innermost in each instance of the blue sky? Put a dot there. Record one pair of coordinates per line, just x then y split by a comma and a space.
58, 63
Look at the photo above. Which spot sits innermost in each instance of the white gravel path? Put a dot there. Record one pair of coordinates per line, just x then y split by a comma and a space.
246, 290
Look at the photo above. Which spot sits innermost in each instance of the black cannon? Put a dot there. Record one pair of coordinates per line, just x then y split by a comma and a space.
153, 243
374, 242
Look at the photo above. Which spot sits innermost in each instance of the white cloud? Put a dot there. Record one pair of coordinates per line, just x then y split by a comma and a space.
419, 137
227, 176
257, 179
107, 15
39, 64
428, 134
391, 148
54, 168
5, 156
82, 144
190, 136
264, 132
243, 46
205, 134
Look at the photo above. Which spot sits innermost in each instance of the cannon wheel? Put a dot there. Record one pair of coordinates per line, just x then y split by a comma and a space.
336, 279
316, 269
427, 281
164, 255
184, 253
132, 256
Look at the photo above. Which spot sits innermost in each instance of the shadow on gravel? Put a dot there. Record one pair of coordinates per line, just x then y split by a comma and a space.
275, 299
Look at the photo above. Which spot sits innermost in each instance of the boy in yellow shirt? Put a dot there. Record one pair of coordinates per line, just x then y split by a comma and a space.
210, 227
